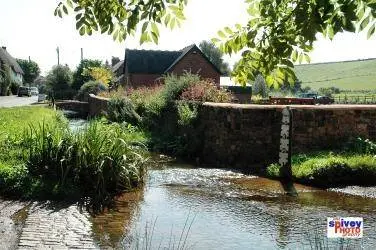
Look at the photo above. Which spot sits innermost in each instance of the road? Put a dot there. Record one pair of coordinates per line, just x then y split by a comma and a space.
13, 101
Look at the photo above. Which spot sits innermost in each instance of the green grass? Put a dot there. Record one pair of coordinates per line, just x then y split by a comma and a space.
42, 158
13, 121
329, 169
351, 75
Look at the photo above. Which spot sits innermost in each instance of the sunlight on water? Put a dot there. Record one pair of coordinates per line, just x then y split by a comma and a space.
222, 209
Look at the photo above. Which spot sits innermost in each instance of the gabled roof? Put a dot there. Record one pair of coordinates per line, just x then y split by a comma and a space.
6, 58
157, 61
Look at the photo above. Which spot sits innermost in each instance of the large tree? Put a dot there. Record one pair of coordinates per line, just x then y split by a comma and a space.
30, 68
278, 33
79, 78
59, 81
215, 55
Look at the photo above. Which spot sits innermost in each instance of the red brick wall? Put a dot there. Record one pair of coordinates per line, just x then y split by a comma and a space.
195, 63
138, 80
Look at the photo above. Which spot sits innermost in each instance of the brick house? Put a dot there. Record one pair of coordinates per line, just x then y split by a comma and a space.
147, 67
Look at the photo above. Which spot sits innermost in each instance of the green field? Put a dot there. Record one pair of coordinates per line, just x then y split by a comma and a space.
349, 75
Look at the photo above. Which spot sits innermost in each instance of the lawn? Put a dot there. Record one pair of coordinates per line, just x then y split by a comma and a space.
351, 75
13, 121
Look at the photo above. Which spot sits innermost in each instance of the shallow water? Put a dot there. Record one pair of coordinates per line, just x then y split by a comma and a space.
222, 209
75, 124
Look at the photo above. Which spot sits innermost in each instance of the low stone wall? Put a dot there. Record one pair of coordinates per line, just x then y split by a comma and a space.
82, 108
238, 135
97, 105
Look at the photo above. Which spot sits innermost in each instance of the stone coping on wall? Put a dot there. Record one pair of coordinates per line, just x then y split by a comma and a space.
99, 97
309, 107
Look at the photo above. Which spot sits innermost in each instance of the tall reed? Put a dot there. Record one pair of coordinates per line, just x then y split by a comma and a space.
97, 162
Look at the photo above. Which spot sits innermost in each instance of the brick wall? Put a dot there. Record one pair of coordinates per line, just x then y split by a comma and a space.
137, 80
238, 135
195, 63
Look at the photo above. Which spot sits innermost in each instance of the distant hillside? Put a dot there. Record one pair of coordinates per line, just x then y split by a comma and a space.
348, 75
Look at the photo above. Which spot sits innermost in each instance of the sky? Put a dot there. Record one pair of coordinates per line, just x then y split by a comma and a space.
29, 28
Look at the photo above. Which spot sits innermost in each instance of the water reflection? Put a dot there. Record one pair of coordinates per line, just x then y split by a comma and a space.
234, 211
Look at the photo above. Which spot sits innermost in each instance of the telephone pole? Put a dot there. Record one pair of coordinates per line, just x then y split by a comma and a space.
82, 54
58, 55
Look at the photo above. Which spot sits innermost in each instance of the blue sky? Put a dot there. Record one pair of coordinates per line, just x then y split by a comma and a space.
29, 28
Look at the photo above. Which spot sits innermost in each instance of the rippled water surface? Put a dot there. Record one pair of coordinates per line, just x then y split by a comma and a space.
220, 209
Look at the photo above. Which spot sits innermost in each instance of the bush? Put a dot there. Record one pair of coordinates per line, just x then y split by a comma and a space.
205, 91
14, 88
91, 87
329, 91
122, 110
260, 87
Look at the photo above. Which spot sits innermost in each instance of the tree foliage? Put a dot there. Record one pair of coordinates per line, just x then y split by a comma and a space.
59, 81
5, 78
120, 18
215, 55
114, 60
99, 74
278, 33
79, 78
30, 68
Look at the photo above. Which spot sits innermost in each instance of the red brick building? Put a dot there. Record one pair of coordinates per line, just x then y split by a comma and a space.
147, 67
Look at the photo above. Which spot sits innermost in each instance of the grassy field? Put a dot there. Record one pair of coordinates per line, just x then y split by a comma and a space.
349, 75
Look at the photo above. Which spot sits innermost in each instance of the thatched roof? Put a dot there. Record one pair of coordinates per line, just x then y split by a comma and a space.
6, 58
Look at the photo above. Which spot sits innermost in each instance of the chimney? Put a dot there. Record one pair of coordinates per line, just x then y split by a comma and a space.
4, 48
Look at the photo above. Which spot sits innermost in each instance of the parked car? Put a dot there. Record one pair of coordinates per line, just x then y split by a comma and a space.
34, 91
24, 91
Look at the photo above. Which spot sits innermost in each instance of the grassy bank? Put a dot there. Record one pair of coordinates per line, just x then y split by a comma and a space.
329, 170
42, 158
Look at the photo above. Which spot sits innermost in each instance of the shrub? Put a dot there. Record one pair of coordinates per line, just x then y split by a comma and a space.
205, 91
14, 88
144, 96
122, 110
91, 87
187, 113
113, 93
260, 87
329, 91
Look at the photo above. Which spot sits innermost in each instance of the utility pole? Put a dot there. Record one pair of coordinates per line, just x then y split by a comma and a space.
82, 54
58, 55
29, 59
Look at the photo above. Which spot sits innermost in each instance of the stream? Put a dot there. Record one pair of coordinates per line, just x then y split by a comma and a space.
200, 208
187, 207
